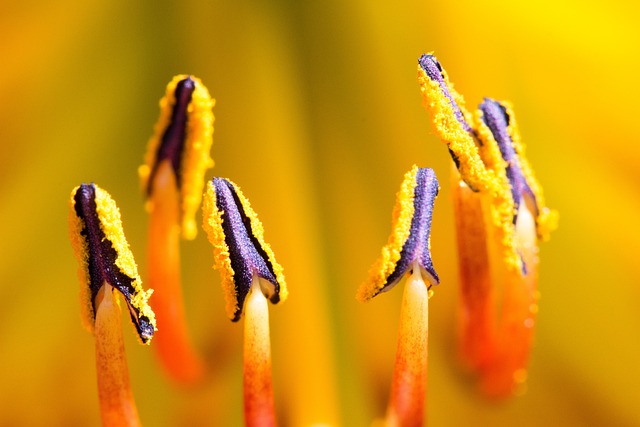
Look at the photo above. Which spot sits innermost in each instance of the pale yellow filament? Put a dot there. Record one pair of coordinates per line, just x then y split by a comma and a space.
258, 390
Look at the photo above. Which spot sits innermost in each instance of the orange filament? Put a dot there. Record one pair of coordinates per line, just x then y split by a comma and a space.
498, 303
117, 406
515, 312
174, 348
408, 390
477, 321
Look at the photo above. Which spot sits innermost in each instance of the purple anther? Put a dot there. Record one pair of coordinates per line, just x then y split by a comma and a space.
496, 118
245, 252
102, 256
433, 70
416, 247
172, 145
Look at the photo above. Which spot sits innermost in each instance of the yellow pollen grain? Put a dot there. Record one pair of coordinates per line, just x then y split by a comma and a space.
400, 230
196, 157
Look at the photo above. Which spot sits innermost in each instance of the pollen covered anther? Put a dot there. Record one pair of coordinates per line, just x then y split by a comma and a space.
95, 230
434, 71
452, 122
240, 251
500, 218
410, 239
498, 118
183, 137
106, 268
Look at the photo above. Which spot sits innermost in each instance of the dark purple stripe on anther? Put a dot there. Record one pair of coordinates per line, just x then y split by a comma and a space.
245, 252
172, 145
496, 118
433, 70
102, 258
416, 246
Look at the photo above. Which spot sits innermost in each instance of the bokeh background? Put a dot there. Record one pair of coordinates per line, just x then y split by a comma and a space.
318, 116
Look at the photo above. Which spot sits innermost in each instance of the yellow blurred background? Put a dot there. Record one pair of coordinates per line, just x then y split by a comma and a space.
318, 116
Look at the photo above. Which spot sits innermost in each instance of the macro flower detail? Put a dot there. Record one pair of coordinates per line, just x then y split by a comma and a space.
436, 74
183, 137
173, 178
104, 257
500, 216
410, 239
250, 276
499, 119
106, 264
408, 250
240, 251
451, 122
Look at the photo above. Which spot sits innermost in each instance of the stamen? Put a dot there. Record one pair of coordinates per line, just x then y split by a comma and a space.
494, 116
504, 373
173, 139
495, 195
173, 178
408, 250
106, 263
174, 347
95, 231
450, 121
250, 276
240, 251
183, 136
497, 128
434, 71
410, 239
